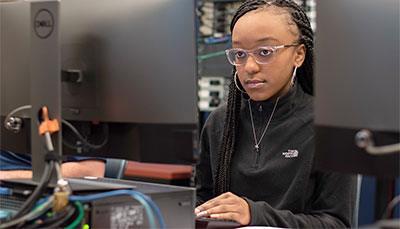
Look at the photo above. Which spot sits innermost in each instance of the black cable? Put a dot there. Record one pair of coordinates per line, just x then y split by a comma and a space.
69, 213
57, 219
29, 204
85, 141
31, 223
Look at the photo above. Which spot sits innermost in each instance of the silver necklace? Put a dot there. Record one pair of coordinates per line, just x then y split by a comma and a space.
257, 143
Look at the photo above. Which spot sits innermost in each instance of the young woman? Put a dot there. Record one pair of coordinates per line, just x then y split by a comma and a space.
256, 152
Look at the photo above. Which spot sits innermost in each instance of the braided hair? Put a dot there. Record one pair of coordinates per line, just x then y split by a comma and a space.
221, 181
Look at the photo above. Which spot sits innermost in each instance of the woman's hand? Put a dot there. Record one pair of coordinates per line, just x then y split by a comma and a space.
226, 206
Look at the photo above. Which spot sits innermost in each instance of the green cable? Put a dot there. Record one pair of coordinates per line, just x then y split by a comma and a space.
79, 218
206, 56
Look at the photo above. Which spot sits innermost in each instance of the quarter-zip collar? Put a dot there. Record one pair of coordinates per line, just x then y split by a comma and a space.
286, 103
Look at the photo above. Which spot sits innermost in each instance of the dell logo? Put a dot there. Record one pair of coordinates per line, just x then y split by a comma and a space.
43, 23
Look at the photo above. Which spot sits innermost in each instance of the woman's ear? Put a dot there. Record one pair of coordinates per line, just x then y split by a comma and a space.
300, 55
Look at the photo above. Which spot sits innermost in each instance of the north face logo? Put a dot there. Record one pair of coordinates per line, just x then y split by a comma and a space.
291, 153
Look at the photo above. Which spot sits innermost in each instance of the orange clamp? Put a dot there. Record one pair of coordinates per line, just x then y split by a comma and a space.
48, 125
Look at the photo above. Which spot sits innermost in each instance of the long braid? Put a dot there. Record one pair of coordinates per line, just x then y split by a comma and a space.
222, 176
304, 76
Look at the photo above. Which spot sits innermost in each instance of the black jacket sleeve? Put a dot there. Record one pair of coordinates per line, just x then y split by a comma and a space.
332, 206
204, 183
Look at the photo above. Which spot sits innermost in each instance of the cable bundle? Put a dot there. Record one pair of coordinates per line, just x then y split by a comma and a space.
67, 210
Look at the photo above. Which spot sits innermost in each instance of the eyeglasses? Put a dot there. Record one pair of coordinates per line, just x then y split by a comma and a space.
262, 55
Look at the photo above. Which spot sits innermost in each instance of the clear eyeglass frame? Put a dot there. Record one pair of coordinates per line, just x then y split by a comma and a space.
231, 54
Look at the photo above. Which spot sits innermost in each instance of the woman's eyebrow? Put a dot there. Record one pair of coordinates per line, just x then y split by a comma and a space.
259, 40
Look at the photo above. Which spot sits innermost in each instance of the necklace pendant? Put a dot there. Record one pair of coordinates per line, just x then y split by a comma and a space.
257, 147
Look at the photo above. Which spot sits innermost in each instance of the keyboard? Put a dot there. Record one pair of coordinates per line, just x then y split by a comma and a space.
205, 222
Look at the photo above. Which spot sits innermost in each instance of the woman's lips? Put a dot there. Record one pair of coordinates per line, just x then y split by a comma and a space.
255, 83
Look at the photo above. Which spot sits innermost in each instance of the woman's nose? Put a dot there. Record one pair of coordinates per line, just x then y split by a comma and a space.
251, 65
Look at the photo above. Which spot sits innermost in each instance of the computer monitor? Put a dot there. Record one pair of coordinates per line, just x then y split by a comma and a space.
357, 85
128, 65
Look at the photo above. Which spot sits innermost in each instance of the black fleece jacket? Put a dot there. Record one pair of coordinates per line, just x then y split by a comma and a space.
279, 182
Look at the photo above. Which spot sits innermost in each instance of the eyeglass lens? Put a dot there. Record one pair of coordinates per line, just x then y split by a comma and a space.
262, 55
